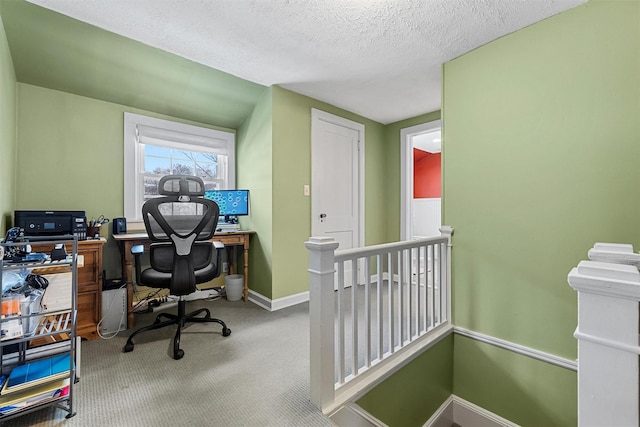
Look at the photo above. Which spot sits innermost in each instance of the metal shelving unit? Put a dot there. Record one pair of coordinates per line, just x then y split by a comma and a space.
46, 337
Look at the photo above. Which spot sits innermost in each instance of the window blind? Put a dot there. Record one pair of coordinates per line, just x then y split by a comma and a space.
168, 138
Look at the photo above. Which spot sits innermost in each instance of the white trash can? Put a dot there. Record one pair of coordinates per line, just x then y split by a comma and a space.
234, 286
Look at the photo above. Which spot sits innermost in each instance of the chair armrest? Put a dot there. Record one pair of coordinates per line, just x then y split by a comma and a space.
137, 249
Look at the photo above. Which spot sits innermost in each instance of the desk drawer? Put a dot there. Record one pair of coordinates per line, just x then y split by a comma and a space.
229, 239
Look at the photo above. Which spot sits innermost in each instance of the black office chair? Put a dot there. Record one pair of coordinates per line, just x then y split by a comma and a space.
180, 226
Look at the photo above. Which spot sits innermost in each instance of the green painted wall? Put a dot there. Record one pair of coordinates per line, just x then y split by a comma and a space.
274, 158
392, 176
84, 136
413, 394
254, 168
540, 160
57, 52
8, 139
542, 146
292, 170
70, 156
521, 389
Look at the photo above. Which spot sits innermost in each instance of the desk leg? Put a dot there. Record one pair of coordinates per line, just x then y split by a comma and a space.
127, 272
231, 258
246, 268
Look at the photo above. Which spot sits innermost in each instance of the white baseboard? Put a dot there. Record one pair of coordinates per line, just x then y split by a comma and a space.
454, 410
352, 415
462, 412
280, 303
443, 417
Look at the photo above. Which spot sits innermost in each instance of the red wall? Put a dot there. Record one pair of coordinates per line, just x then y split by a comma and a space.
426, 174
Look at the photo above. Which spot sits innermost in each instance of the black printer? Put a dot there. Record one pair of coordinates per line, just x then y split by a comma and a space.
43, 224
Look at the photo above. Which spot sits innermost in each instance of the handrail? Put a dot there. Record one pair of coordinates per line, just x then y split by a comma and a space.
344, 254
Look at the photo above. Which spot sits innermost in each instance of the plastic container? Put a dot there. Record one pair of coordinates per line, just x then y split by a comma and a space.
31, 307
234, 286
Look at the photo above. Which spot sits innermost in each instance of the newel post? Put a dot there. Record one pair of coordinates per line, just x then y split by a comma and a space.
321, 319
608, 289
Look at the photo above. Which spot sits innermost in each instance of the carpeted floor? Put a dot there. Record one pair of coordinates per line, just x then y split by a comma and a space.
258, 376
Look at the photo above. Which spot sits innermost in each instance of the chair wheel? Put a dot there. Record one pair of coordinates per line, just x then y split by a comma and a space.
226, 332
127, 347
178, 354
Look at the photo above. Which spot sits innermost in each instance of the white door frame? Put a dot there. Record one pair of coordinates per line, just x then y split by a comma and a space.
319, 115
406, 172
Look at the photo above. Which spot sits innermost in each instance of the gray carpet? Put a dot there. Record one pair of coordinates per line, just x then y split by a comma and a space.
258, 376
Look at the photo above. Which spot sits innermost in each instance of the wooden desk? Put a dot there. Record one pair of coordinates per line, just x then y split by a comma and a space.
127, 241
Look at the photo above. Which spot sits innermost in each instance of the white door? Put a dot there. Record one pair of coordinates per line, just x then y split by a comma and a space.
336, 181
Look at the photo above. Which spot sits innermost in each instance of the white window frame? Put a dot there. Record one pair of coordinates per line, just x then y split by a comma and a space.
179, 134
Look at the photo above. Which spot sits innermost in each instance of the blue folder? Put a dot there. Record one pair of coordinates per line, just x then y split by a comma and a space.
49, 368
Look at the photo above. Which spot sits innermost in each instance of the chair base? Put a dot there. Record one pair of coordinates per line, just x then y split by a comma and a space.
181, 319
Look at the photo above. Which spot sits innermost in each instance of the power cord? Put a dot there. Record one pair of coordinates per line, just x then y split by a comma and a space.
146, 299
36, 281
157, 302
217, 295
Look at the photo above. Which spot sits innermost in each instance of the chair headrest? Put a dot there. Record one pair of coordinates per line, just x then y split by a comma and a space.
181, 185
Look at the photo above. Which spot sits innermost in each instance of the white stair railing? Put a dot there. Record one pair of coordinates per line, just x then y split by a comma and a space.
372, 307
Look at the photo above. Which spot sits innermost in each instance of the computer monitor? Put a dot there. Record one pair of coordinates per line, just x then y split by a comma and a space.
232, 203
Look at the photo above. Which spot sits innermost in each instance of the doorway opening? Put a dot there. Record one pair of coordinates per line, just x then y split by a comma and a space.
420, 169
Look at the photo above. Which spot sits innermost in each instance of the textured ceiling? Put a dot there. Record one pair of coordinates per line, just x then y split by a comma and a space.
377, 58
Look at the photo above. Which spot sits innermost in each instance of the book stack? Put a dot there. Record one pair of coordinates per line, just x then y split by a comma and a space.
35, 382
225, 227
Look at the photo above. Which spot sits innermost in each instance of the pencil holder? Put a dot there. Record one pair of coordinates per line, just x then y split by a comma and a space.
93, 232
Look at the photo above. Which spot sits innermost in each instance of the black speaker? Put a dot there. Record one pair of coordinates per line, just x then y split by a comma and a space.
119, 225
